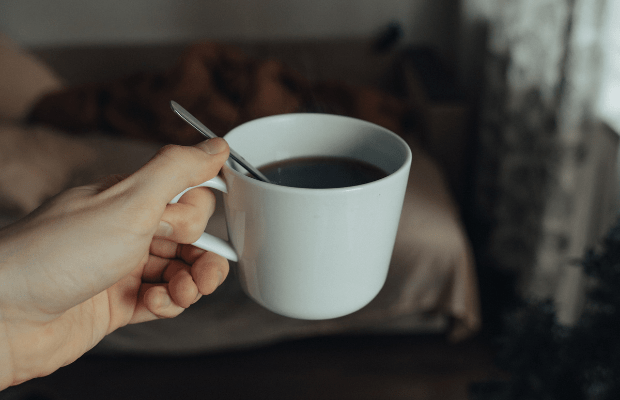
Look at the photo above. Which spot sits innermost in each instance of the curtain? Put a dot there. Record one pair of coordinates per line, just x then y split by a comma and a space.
545, 171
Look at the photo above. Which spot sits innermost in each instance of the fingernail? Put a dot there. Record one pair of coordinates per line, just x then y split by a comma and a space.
215, 146
220, 278
164, 229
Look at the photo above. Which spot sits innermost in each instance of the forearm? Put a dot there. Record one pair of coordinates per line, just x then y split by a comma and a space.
6, 358
20, 340
30, 349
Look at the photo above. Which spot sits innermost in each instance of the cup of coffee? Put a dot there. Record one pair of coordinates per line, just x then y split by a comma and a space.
315, 243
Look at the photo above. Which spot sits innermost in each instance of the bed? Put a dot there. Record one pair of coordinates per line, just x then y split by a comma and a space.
56, 132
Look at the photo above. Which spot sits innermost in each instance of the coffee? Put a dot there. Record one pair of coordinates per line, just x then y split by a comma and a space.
322, 172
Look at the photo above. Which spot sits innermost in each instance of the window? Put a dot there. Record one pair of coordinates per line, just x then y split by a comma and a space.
607, 105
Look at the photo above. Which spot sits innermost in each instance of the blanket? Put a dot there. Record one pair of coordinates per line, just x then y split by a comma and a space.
432, 272
219, 85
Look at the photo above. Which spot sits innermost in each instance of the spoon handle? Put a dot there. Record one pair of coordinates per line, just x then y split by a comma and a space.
206, 132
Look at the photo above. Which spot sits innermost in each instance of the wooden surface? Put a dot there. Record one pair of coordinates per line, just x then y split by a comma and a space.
360, 367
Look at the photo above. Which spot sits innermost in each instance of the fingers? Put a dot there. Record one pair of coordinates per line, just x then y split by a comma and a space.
154, 302
196, 271
185, 221
158, 301
175, 284
209, 271
176, 168
182, 288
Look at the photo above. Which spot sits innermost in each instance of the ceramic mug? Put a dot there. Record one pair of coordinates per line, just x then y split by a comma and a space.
311, 253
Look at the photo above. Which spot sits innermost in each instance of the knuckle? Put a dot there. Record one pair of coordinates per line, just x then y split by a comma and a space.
170, 150
195, 233
175, 152
190, 229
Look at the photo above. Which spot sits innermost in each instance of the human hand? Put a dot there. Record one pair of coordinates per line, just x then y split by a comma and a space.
98, 257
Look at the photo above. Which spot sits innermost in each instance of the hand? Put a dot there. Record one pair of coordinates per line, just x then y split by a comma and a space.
99, 257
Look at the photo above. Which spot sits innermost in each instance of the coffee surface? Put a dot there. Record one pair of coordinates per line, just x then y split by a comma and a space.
321, 172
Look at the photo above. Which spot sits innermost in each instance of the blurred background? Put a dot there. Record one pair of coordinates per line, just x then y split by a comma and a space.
517, 102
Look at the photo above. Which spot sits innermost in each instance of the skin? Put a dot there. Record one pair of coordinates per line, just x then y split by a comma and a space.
99, 257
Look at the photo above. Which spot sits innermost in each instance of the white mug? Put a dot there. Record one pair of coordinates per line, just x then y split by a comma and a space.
311, 253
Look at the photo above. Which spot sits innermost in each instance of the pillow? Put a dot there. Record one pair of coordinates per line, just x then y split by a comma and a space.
36, 163
23, 80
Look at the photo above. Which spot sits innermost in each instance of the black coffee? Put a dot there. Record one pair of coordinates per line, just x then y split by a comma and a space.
321, 172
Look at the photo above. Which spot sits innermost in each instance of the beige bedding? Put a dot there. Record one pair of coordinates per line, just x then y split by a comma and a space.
432, 274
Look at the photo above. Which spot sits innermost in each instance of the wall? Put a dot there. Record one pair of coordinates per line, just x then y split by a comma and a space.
44, 22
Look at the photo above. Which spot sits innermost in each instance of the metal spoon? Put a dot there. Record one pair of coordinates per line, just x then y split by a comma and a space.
206, 132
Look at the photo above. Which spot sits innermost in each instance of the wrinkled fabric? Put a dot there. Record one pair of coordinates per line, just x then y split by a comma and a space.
220, 86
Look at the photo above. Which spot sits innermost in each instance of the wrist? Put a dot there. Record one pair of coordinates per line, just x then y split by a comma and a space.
6, 366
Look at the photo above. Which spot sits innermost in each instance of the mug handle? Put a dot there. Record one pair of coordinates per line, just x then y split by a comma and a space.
209, 242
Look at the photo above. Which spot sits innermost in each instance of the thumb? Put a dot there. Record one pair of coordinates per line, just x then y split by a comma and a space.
175, 168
